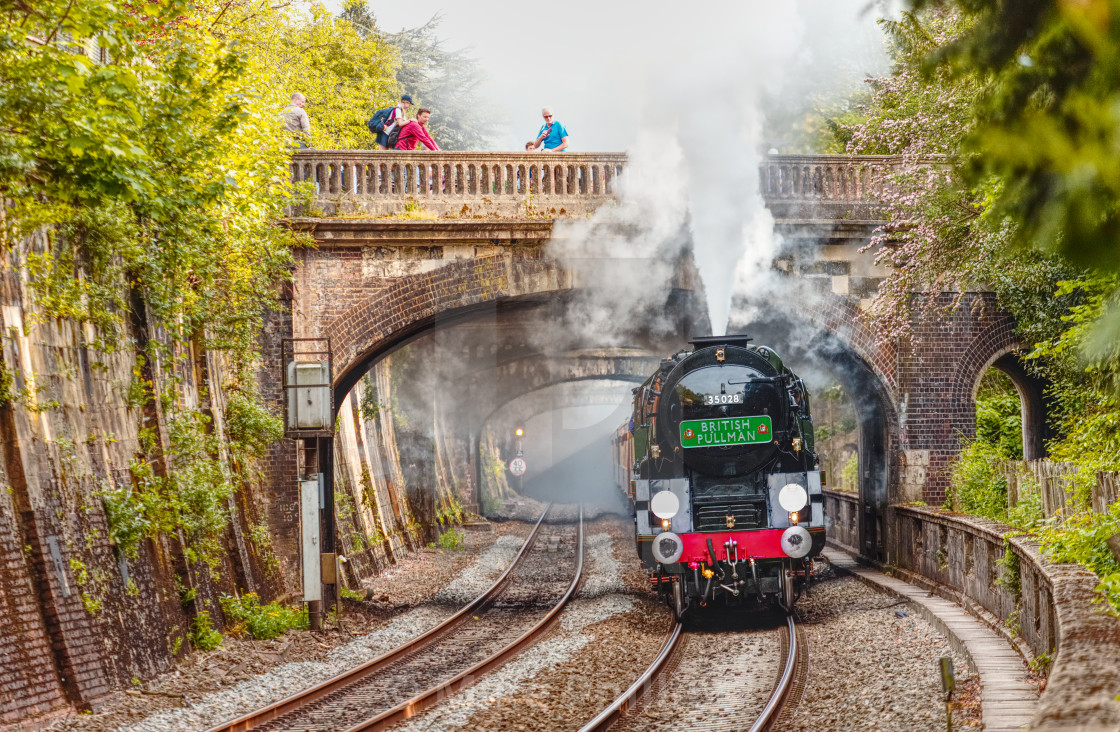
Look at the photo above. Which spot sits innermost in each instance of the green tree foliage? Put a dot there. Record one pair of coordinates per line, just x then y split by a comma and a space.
157, 171
1085, 397
343, 70
1047, 123
977, 484
1046, 128
943, 238
1007, 114
447, 82
999, 416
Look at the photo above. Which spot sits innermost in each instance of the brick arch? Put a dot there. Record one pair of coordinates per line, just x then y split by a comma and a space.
632, 370
409, 305
528, 405
842, 317
829, 328
1033, 403
988, 343
535, 372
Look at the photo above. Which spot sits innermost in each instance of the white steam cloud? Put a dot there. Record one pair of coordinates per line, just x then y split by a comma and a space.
701, 83
686, 90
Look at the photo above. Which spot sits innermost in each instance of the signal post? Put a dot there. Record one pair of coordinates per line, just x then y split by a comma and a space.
309, 418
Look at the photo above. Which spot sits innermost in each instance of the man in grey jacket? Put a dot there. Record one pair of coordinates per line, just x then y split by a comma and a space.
296, 121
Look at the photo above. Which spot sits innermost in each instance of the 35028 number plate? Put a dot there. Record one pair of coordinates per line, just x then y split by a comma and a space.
710, 399
726, 431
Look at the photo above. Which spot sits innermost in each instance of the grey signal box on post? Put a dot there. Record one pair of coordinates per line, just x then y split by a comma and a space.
308, 391
309, 401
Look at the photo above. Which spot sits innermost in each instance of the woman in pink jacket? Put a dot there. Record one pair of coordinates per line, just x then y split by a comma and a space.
415, 132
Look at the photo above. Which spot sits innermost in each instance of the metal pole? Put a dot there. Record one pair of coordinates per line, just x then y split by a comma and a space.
326, 469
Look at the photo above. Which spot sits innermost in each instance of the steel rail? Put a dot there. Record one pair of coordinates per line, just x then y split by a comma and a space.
770, 712
418, 703
618, 707
308, 696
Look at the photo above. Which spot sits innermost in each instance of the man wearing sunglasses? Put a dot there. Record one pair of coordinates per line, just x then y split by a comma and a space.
552, 137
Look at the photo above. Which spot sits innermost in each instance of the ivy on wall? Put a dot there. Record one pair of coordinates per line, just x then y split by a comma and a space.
145, 180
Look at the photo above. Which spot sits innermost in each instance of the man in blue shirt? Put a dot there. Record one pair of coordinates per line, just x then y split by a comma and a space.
552, 137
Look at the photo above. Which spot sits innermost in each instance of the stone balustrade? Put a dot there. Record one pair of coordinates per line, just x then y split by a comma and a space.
485, 184
466, 184
839, 178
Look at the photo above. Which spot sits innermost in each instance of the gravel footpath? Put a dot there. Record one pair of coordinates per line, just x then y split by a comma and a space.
872, 663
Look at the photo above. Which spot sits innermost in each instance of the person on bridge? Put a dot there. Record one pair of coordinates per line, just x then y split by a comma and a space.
397, 118
552, 137
296, 121
415, 131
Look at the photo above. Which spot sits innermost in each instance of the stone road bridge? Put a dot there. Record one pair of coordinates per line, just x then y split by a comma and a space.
407, 242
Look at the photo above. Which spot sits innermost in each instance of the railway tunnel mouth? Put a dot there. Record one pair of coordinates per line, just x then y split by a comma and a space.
846, 387
410, 448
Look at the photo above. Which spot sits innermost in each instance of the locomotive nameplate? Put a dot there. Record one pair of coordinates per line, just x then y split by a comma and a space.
726, 431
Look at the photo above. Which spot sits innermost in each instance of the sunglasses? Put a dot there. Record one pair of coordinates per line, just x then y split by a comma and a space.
548, 116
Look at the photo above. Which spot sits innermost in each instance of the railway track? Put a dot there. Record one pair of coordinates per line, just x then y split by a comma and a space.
517, 609
684, 675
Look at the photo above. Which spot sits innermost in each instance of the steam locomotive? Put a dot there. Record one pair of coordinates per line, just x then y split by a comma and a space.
718, 461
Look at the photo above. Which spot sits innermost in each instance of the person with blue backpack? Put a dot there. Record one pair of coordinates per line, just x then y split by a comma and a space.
386, 123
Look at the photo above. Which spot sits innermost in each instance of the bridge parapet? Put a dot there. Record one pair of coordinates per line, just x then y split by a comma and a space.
459, 184
519, 185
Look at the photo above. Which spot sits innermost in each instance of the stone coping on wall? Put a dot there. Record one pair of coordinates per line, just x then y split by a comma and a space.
387, 232
1084, 679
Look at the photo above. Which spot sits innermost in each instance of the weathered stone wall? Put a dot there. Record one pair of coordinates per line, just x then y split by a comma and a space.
1049, 606
80, 616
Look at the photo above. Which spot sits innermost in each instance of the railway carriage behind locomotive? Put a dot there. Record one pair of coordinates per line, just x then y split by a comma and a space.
718, 459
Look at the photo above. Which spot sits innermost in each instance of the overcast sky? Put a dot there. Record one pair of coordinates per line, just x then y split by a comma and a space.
594, 61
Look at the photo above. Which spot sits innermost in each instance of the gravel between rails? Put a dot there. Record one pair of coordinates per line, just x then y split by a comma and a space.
873, 663
726, 672
283, 681
605, 636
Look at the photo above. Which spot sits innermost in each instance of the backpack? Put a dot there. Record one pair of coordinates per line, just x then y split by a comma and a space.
376, 123
394, 136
